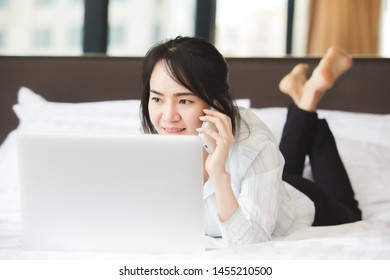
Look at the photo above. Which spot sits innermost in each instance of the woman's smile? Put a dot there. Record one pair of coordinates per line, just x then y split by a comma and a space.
173, 130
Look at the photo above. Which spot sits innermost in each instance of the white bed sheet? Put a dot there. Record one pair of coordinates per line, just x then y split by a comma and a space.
363, 141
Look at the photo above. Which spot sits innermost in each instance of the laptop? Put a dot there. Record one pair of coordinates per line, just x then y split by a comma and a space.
117, 193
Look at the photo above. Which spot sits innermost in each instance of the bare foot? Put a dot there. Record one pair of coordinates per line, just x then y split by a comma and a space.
334, 63
292, 84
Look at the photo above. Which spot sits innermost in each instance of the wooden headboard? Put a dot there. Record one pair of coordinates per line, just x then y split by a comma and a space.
365, 88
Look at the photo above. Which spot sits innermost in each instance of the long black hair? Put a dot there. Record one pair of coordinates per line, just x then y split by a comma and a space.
198, 66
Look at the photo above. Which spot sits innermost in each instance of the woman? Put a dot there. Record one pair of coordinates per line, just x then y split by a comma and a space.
245, 197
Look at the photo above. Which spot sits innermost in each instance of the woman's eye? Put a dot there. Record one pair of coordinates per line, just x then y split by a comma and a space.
186, 101
156, 99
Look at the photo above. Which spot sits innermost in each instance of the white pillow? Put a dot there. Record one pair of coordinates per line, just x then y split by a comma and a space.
363, 141
246, 103
35, 113
368, 168
365, 127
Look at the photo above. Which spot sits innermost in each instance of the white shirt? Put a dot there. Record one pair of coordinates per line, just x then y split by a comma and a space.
268, 207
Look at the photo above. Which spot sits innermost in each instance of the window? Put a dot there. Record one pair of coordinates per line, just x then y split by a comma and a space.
54, 27
116, 35
75, 37
243, 27
251, 27
3, 3
385, 29
137, 25
44, 2
1, 40
41, 27
42, 39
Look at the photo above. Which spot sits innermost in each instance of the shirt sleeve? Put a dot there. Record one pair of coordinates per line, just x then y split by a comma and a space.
255, 219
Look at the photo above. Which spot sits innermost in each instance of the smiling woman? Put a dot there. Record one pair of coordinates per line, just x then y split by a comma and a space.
252, 193
173, 109
363, 141
169, 74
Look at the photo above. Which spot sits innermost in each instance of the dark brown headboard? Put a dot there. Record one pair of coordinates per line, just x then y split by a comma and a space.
365, 88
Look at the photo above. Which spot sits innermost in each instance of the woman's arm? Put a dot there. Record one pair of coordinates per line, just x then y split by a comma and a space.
260, 191
256, 165
215, 163
251, 217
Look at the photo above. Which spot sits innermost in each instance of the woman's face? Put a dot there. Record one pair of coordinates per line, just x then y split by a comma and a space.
173, 109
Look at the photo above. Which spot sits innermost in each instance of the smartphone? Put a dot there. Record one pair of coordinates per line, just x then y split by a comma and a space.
208, 143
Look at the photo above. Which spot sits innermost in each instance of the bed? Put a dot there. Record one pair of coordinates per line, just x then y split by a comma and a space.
101, 94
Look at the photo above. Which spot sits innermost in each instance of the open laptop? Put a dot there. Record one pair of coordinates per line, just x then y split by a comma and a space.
137, 194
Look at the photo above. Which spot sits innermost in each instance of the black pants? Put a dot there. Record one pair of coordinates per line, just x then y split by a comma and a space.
332, 194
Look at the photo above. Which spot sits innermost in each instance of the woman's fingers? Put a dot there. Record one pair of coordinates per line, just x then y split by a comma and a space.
221, 121
222, 132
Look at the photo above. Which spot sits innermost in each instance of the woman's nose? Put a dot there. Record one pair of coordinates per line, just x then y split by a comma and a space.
170, 113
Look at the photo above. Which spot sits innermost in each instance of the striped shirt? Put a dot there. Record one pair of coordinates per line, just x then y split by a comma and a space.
268, 206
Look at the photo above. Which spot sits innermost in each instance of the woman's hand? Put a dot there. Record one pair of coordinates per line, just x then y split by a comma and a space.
215, 163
